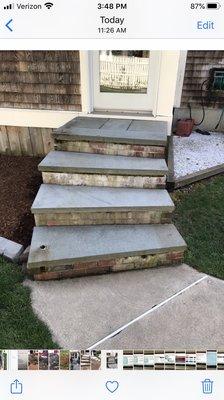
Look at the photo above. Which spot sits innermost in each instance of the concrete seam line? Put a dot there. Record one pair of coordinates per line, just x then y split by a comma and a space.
150, 311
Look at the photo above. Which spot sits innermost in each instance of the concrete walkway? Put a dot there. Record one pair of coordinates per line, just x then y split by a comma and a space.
83, 312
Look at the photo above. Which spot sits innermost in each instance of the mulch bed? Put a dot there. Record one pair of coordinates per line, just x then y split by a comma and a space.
19, 183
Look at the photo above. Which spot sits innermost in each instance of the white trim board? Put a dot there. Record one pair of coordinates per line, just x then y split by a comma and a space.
35, 118
180, 78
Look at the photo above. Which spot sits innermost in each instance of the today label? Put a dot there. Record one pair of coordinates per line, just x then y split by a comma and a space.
112, 20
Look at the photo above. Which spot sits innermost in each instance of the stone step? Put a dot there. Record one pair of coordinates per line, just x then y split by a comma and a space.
59, 252
61, 167
75, 205
71, 162
114, 130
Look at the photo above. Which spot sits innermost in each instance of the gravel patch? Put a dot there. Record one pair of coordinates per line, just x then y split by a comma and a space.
197, 152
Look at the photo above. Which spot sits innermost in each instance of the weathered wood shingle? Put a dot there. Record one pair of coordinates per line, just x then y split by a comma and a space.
198, 66
40, 80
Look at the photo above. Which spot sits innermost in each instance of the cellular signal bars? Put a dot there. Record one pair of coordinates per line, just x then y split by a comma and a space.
9, 7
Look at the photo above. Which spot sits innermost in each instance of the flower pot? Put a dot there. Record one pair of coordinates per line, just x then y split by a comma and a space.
184, 127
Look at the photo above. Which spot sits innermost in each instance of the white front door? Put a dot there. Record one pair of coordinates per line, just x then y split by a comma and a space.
125, 80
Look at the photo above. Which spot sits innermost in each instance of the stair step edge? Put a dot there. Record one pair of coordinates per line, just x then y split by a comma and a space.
72, 162
59, 198
95, 243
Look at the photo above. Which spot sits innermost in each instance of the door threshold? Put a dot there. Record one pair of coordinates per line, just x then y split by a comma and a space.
124, 114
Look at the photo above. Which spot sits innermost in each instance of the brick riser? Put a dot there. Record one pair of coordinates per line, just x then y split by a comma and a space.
108, 265
143, 182
113, 149
103, 218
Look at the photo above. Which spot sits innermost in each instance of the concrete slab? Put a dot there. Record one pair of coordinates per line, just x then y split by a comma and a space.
191, 321
60, 198
81, 311
71, 162
65, 245
114, 130
9, 249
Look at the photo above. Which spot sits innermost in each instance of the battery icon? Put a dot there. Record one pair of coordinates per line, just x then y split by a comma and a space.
213, 6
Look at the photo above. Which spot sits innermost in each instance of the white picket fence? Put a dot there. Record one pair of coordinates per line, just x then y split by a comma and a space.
127, 73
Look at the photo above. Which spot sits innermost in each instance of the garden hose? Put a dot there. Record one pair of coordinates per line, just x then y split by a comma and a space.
202, 104
203, 110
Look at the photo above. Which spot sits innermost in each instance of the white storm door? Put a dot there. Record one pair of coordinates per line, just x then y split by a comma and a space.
125, 80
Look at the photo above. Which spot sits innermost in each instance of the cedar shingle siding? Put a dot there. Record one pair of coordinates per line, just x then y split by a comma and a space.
198, 66
40, 80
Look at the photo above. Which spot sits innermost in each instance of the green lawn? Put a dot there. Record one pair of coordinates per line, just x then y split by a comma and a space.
19, 327
199, 216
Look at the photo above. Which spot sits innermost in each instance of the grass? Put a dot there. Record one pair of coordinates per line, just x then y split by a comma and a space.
19, 326
199, 216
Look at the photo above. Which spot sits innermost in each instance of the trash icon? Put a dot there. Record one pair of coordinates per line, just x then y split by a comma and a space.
207, 386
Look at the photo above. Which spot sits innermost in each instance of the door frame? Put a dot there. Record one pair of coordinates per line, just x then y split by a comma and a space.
164, 100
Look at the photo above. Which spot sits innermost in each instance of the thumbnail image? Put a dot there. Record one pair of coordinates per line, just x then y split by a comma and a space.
201, 359
220, 359
33, 360
85, 360
149, 360
128, 360
74, 360
138, 359
64, 360
159, 360
54, 360
112, 360
180, 360
190, 360
23, 359
95, 360
43, 359
170, 360
3, 360
211, 359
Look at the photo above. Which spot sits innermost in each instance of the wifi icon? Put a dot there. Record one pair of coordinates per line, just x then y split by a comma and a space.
48, 5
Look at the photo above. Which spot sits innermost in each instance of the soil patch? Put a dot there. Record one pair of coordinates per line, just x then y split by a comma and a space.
19, 183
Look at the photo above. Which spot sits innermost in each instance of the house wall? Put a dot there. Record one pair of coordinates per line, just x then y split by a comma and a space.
197, 70
198, 66
40, 80
39, 90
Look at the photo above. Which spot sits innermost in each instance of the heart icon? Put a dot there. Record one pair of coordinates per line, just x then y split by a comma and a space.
112, 386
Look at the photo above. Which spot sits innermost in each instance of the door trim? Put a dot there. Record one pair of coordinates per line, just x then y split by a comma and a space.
86, 79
